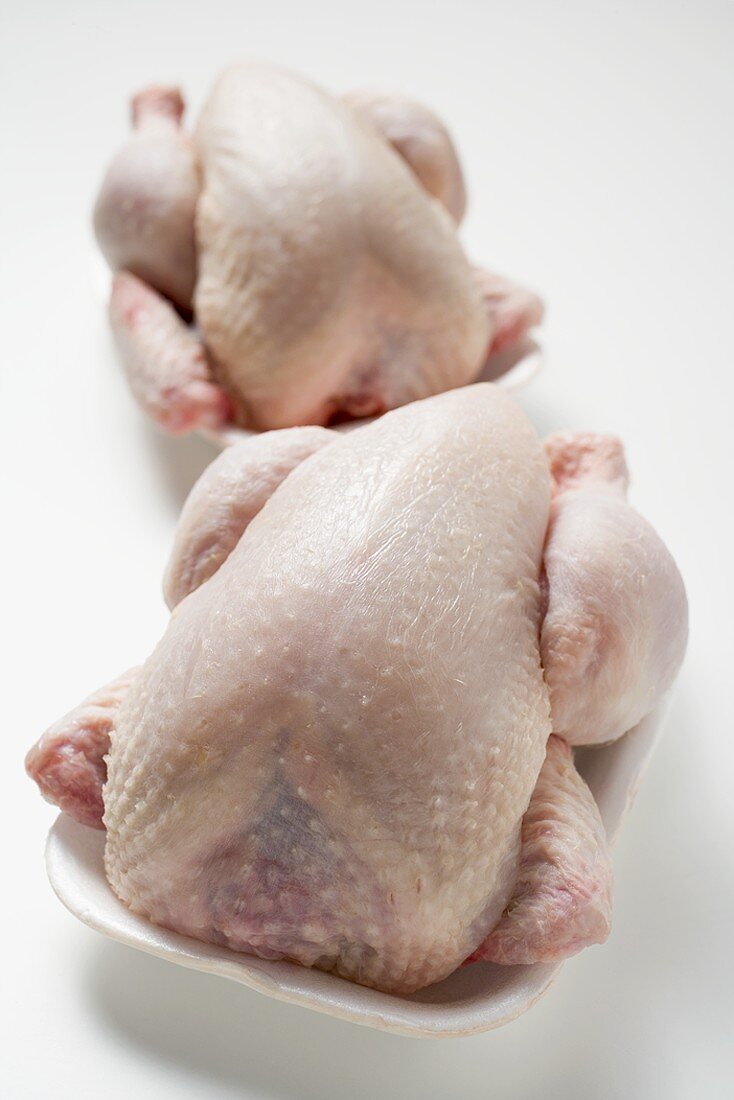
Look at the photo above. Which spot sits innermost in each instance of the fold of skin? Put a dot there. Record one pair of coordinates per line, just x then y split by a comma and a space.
616, 626
144, 214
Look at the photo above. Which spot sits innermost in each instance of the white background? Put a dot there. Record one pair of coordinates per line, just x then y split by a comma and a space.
597, 144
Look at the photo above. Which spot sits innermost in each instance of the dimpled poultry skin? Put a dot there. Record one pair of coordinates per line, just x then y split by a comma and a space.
314, 237
341, 751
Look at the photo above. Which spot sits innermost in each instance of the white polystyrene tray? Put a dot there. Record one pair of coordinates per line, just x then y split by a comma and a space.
475, 998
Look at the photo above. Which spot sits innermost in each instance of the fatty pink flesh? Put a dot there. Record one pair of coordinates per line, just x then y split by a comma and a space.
164, 359
616, 626
68, 762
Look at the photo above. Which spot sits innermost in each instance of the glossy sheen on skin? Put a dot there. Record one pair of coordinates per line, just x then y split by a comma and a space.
166, 364
68, 762
616, 626
329, 754
227, 496
329, 283
144, 215
562, 900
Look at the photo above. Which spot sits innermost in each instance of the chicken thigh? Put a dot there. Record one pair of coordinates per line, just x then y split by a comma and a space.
339, 752
326, 276
144, 214
615, 628
561, 900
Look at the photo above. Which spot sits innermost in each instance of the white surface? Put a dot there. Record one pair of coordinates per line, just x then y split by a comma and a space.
597, 139
472, 1000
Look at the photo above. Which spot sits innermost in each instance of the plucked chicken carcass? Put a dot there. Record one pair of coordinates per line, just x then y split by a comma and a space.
314, 237
351, 746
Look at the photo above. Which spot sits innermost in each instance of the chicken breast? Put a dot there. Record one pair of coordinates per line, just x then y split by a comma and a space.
329, 754
325, 273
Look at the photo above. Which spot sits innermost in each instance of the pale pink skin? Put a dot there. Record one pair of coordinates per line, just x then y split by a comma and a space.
144, 214
68, 763
421, 139
616, 625
364, 305
561, 897
562, 901
166, 363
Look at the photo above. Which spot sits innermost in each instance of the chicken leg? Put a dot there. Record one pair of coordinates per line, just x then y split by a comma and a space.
165, 361
616, 625
144, 214
562, 899
68, 762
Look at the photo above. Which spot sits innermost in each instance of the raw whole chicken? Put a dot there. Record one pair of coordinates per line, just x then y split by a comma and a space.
351, 747
314, 238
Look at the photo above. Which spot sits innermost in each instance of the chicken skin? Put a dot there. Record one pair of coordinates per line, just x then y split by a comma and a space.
315, 240
342, 751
